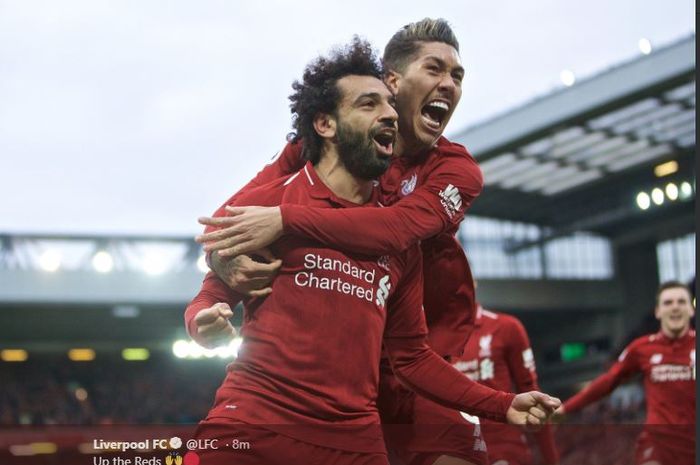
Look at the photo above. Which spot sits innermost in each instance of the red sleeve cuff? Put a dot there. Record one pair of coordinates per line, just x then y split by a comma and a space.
288, 213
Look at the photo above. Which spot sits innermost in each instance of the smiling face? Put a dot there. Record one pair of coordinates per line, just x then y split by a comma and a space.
674, 311
427, 92
366, 126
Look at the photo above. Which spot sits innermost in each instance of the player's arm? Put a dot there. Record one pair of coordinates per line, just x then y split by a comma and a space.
521, 365
625, 366
425, 372
430, 209
207, 316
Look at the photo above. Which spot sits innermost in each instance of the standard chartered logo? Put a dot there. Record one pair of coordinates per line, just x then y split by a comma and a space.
341, 270
383, 291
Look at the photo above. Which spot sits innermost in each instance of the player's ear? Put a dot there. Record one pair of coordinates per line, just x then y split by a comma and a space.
656, 312
325, 125
392, 79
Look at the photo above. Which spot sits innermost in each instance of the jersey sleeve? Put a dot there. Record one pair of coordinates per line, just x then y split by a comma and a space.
433, 207
428, 374
626, 365
287, 161
405, 316
213, 291
421, 369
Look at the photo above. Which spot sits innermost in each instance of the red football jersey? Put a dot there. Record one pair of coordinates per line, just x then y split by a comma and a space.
429, 196
498, 355
668, 367
311, 349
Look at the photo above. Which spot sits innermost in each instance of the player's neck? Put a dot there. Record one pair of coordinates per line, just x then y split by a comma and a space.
409, 148
344, 185
675, 334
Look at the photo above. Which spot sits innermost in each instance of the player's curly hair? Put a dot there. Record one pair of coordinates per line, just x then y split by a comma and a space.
403, 46
317, 92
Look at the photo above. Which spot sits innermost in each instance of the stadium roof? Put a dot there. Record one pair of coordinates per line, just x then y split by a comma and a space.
577, 158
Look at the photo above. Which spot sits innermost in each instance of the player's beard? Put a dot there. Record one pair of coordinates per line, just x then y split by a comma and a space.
358, 154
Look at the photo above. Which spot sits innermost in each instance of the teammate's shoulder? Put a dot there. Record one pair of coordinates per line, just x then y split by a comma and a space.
634, 347
449, 157
447, 148
509, 319
490, 314
645, 340
511, 323
272, 191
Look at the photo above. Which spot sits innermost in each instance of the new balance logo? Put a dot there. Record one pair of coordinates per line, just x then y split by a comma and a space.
451, 200
383, 291
408, 185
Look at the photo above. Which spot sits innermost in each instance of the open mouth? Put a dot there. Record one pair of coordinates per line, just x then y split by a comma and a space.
434, 113
384, 141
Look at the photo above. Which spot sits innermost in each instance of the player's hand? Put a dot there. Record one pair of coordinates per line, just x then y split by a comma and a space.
213, 325
531, 409
559, 415
244, 230
245, 275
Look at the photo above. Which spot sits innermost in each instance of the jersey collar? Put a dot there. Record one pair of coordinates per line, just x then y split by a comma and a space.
319, 190
479, 314
689, 334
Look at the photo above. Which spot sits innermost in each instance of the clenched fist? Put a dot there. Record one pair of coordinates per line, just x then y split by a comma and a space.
213, 325
532, 409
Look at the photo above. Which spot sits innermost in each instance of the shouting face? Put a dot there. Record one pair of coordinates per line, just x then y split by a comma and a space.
427, 92
366, 126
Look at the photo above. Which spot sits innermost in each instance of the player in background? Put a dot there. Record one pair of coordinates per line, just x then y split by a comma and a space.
309, 363
666, 360
498, 355
429, 186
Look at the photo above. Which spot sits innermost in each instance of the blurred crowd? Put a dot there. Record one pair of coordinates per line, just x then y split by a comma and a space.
604, 433
158, 391
163, 390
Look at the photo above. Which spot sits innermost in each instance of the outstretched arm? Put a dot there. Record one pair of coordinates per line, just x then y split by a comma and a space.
625, 367
425, 372
428, 374
431, 208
